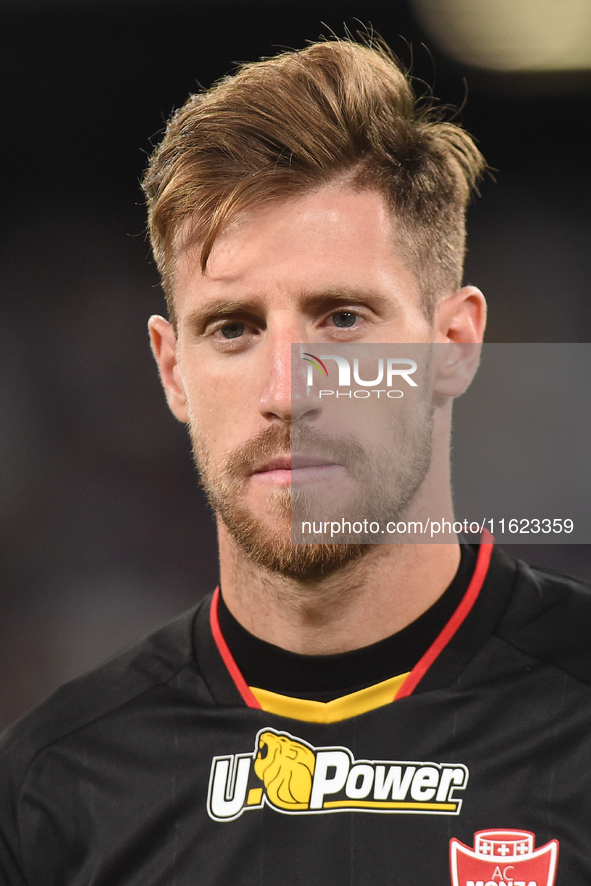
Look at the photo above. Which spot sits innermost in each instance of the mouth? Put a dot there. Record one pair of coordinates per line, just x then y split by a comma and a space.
295, 468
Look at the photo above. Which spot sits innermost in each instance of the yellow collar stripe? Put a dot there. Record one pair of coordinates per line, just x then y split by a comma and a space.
330, 711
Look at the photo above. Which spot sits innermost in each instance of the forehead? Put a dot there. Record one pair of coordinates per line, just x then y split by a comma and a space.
333, 238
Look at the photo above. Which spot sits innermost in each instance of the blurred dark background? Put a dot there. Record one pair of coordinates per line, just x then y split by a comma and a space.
103, 531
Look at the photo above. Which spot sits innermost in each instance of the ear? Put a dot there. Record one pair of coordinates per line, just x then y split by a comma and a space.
460, 320
164, 347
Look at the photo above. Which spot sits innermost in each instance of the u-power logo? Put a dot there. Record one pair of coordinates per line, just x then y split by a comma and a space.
291, 776
388, 371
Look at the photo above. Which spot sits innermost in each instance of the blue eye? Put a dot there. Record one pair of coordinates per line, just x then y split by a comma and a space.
344, 319
232, 330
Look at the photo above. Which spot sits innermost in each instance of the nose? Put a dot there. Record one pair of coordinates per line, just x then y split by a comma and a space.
285, 395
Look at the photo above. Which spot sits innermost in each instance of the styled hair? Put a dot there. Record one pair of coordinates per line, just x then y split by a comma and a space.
290, 124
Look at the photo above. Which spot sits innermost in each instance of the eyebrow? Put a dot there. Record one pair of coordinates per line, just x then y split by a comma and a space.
222, 307
312, 300
308, 300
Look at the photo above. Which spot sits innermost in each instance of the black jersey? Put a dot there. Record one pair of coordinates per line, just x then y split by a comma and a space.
164, 768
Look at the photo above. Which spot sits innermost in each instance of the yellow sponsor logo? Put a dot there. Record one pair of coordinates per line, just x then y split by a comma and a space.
286, 768
293, 777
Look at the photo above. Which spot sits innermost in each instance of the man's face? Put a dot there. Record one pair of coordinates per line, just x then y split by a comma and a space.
321, 269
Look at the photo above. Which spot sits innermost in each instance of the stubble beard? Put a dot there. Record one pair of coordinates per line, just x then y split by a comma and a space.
267, 540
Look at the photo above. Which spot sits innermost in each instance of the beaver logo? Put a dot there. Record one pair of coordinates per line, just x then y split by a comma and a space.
291, 776
285, 766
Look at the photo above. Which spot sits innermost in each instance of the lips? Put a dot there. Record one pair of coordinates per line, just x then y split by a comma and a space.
294, 462
279, 463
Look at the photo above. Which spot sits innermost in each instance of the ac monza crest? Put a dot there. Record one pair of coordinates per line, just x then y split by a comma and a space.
503, 858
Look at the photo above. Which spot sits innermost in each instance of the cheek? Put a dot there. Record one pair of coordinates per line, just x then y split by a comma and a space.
418, 328
220, 411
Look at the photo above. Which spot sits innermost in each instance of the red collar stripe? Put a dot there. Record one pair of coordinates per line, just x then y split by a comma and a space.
227, 656
421, 667
457, 619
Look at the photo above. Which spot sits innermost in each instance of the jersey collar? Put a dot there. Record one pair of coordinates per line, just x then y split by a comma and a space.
464, 634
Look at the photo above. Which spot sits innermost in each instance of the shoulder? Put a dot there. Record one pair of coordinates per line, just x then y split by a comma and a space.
549, 618
145, 665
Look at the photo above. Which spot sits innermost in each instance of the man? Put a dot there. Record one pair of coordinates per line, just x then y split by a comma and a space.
337, 712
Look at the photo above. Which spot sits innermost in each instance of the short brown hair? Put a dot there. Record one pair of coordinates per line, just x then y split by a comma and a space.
290, 124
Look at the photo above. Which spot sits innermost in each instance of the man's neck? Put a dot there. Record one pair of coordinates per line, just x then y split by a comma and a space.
360, 604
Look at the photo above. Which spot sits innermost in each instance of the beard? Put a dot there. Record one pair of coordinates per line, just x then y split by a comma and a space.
267, 539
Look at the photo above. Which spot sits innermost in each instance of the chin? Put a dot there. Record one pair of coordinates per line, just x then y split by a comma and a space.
267, 543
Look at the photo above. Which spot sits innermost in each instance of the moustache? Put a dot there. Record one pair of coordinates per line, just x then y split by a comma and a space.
277, 440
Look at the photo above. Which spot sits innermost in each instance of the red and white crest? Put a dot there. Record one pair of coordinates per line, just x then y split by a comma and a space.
503, 858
